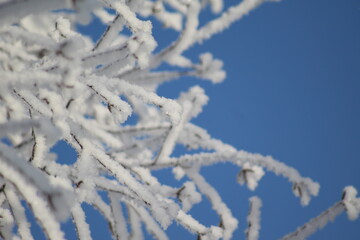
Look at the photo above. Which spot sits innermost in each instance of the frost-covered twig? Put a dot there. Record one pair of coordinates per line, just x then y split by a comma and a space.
12, 11
226, 19
241, 158
349, 203
253, 219
227, 221
79, 219
19, 212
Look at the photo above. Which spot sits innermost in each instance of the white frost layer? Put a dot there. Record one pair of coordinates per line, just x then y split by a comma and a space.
253, 219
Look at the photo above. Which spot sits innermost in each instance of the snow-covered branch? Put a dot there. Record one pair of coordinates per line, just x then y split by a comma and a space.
58, 86
349, 203
252, 232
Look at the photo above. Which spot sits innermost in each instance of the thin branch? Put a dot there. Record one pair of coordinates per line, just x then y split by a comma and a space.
253, 219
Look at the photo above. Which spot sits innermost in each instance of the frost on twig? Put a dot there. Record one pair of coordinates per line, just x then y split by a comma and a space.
57, 85
349, 203
253, 219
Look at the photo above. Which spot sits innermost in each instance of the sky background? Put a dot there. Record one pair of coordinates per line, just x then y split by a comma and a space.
292, 92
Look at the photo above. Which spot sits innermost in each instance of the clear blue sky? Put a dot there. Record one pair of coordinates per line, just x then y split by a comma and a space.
292, 91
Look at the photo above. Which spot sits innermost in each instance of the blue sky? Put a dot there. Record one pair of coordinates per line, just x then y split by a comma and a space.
292, 91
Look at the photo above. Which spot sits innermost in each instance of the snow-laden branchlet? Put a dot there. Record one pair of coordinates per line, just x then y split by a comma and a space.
57, 85
253, 219
349, 203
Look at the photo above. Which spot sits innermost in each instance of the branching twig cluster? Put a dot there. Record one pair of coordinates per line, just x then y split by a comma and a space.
57, 85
